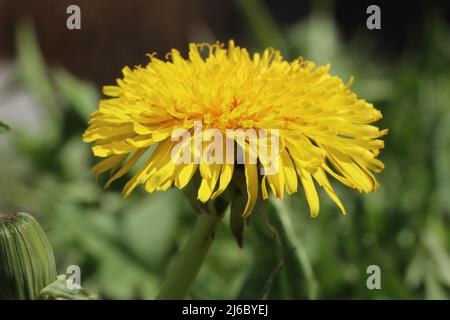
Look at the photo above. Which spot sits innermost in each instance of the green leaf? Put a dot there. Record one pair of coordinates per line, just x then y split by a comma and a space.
4, 127
32, 68
442, 160
81, 95
149, 226
33, 75
299, 266
284, 270
119, 272
261, 273
262, 25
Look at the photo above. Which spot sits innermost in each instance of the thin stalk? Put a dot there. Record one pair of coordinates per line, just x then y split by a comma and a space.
284, 215
189, 262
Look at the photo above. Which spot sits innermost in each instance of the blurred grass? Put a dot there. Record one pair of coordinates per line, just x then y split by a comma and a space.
4, 127
124, 247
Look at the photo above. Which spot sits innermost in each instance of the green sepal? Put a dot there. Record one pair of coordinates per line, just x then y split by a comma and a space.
60, 290
237, 221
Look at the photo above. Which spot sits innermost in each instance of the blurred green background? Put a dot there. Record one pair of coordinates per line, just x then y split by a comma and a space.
49, 86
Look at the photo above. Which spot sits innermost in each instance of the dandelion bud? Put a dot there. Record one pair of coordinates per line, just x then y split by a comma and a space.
27, 262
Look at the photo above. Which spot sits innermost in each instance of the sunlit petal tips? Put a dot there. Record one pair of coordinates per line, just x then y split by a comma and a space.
315, 126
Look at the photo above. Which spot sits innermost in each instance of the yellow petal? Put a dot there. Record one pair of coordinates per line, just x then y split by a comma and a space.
108, 163
362, 179
112, 91
322, 179
161, 178
103, 150
141, 141
184, 174
290, 176
310, 192
276, 181
264, 193
251, 178
225, 177
208, 184
130, 163
158, 158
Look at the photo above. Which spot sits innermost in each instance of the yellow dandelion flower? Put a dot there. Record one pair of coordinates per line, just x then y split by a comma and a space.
323, 129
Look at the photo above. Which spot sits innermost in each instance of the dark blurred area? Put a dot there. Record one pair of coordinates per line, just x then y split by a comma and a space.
114, 33
118, 33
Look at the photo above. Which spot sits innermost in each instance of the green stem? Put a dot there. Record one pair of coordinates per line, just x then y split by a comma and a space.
187, 265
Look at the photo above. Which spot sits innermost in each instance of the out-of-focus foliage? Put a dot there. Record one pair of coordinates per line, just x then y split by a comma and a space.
124, 247
3, 127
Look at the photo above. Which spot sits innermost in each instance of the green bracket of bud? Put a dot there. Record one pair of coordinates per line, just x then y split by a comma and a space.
27, 262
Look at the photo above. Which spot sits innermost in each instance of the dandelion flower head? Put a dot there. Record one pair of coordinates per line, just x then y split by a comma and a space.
324, 130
